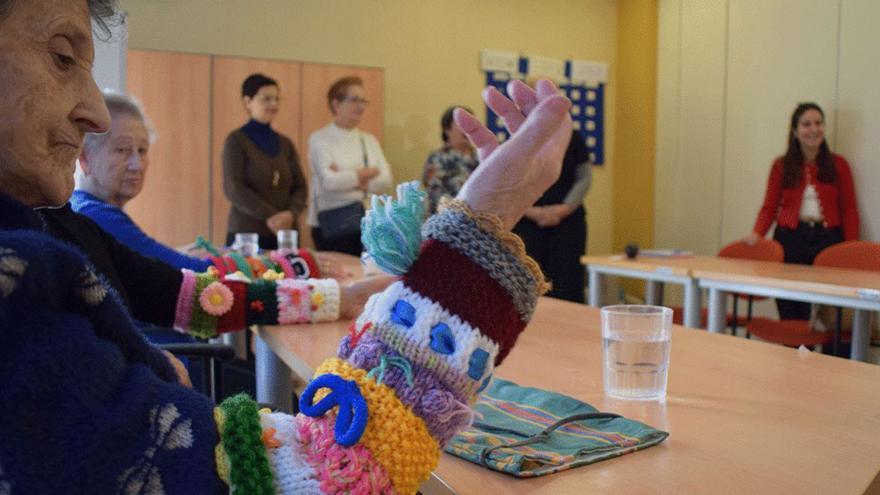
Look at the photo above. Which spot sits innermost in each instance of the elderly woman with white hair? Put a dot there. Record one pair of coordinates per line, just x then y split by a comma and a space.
113, 168
86, 407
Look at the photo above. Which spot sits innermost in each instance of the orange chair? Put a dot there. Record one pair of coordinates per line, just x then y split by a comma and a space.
858, 255
763, 250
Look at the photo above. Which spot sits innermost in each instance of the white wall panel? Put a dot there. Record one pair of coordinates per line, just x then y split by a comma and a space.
858, 108
690, 140
780, 52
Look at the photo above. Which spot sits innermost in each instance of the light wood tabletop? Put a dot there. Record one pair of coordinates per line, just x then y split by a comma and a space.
743, 416
818, 279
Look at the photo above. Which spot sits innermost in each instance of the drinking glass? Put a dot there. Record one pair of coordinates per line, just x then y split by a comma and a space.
636, 341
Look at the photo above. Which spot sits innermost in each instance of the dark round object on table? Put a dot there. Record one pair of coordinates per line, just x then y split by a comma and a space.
631, 250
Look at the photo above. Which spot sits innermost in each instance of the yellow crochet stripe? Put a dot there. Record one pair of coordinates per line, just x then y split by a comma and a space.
397, 438
220, 460
492, 224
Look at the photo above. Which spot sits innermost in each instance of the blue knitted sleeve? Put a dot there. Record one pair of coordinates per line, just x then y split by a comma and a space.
118, 224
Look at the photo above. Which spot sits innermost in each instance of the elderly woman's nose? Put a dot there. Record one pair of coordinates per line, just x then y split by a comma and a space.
91, 114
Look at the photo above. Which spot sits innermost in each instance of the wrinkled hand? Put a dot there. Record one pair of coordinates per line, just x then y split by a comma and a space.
280, 221
180, 369
751, 239
513, 175
353, 296
333, 265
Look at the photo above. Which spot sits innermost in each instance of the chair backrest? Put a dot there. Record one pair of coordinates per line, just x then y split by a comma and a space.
763, 250
858, 255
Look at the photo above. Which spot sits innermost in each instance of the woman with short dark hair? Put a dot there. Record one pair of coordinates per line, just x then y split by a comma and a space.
262, 177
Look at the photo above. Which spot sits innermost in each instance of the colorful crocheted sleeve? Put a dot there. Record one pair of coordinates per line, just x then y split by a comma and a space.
375, 417
270, 290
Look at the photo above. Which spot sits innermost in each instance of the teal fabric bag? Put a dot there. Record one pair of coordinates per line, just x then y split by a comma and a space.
529, 432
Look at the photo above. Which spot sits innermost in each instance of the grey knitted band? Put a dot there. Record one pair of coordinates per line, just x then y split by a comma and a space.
462, 233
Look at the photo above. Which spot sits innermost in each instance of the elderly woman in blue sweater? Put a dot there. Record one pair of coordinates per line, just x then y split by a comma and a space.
86, 408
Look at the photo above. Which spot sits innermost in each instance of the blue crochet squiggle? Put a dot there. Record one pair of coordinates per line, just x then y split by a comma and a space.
391, 230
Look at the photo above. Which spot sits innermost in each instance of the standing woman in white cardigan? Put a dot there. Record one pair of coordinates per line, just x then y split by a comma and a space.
347, 163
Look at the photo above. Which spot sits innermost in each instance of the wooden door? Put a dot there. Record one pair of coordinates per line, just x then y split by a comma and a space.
229, 114
174, 89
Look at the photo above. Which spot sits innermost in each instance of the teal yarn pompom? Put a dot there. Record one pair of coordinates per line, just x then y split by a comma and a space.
392, 230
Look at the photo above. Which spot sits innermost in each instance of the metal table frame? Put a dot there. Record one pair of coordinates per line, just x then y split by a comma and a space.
861, 338
653, 287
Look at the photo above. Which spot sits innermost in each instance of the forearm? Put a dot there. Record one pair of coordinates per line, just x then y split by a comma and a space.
584, 178
413, 362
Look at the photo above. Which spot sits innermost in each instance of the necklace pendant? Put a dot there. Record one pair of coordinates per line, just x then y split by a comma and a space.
276, 177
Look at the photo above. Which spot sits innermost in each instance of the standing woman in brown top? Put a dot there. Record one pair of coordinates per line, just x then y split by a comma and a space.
261, 173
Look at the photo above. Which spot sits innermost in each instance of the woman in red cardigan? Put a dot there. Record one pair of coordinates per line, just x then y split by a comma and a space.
810, 196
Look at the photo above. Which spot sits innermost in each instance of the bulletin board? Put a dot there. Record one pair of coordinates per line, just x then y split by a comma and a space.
583, 82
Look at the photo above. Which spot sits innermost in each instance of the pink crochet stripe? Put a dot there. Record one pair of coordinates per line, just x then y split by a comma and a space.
183, 313
283, 263
294, 301
340, 469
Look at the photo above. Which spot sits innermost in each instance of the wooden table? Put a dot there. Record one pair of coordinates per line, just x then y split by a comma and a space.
856, 289
744, 416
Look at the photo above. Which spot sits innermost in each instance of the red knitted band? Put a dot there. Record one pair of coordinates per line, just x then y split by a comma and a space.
234, 319
219, 265
439, 274
314, 271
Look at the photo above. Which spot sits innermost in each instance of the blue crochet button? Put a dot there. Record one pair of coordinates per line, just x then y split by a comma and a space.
477, 364
351, 419
442, 340
485, 384
403, 313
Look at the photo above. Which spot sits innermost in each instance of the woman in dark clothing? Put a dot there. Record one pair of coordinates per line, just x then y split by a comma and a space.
555, 228
262, 177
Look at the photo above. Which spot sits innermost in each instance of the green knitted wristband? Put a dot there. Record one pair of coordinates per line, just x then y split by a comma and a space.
242, 264
262, 308
202, 324
249, 470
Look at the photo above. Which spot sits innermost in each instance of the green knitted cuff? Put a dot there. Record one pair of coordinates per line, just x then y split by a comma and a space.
262, 308
202, 324
271, 265
242, 440
242, 264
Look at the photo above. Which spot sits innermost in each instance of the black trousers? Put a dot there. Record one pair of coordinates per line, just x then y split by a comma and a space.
801, 245
348, 244
558, 251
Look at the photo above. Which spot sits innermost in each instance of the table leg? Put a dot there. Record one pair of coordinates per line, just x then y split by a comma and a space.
238, 341
653, 291
273, 378
597, 288
692, 304
861, 337
716, 310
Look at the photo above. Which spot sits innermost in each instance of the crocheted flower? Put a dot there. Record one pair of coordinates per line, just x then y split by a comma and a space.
317, 299
258, 306
272, 275
216, 299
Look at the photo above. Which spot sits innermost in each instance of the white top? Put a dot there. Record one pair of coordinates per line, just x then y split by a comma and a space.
335, 155
810, 210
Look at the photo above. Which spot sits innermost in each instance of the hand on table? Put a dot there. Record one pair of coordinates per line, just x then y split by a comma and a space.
752, 238
280, 221
353, 296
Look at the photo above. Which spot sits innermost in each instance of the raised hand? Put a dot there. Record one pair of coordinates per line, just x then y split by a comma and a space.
513, 175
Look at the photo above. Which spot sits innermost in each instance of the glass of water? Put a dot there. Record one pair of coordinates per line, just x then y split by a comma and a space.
247, 243
288, 239
636, 341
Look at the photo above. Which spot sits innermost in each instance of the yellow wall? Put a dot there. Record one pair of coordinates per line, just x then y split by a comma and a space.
633, 176
429, 50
